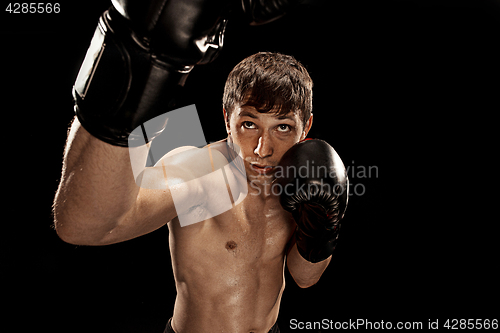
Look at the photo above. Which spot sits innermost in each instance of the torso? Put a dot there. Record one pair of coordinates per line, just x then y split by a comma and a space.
229, 269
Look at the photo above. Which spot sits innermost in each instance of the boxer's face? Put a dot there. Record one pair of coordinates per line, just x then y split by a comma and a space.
264, 137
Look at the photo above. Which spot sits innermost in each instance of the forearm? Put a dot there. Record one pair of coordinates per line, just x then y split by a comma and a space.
96, 190
305, 273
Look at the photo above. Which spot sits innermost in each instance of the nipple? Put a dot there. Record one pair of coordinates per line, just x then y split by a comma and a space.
231, 245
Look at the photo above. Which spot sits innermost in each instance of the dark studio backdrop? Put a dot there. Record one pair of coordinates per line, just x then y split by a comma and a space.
404, 91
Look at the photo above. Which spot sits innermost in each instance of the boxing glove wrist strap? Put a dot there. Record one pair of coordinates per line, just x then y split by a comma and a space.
315, 243
315, 250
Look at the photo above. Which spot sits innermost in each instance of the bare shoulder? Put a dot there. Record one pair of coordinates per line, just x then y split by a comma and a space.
202, 181
195, 162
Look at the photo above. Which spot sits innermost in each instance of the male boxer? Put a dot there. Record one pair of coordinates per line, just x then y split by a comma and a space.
228, 268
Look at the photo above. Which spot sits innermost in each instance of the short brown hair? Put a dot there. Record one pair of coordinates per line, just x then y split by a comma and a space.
267, 80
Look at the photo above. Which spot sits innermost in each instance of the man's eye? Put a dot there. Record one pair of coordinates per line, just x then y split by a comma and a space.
249, 125
283, 128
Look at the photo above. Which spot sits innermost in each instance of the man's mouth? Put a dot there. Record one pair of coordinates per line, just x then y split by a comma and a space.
262, 169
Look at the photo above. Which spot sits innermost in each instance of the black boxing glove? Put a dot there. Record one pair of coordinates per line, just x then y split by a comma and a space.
138, 60
314, 188
264, 11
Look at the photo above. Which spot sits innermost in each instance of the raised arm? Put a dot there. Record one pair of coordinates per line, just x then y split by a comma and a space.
138, 60
98, 201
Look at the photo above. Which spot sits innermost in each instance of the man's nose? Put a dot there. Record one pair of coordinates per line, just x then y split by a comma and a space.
264, 146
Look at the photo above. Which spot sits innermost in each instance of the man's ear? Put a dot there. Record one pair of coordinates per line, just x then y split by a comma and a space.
307, 127
226, 121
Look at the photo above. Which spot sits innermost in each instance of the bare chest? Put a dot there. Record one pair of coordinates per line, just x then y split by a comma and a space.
234, 262
255, 229
253, 234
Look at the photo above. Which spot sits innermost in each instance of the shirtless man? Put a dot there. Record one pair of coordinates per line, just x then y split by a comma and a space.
228, 268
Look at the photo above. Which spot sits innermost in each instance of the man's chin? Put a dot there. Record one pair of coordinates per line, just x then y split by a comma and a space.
260, 177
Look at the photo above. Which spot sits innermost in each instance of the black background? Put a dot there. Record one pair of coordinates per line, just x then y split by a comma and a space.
410, 87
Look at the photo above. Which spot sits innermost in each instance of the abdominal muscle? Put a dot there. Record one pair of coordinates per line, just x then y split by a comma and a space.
229, 273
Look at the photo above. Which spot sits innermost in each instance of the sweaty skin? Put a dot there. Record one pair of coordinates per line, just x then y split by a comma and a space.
228, 269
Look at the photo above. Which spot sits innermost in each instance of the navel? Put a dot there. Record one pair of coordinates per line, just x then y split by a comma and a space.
231, 245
